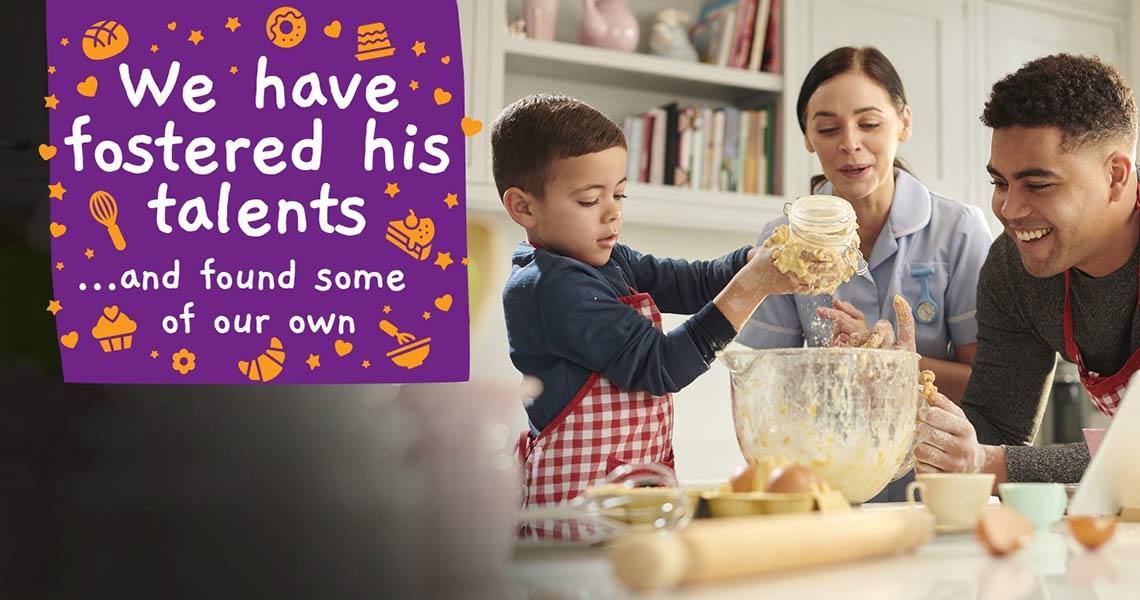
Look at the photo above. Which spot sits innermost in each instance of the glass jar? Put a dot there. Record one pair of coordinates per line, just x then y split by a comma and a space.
827, 222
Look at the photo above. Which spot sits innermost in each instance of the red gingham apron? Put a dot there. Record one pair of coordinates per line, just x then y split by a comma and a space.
600, 429
1105, 392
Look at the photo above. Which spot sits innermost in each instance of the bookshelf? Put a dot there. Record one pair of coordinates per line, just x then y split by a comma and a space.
620, 84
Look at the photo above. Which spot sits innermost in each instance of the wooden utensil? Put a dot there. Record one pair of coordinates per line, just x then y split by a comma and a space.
713, 550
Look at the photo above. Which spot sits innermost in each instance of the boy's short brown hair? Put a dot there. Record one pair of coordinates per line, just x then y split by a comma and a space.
1087, 99
531, 133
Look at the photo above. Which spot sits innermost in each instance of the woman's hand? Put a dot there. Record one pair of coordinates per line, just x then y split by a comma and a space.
881, 334
847, 319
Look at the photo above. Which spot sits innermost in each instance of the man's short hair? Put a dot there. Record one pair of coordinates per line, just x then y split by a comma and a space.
531, 133
1084, 97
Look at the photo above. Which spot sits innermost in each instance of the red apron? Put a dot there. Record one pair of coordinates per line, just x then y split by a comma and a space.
600, 429
1105, 392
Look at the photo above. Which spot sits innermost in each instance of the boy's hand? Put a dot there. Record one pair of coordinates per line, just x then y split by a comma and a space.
848, 319
775, 282
881, 334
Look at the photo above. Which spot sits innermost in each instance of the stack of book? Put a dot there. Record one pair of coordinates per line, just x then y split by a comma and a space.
742, 34
703, 148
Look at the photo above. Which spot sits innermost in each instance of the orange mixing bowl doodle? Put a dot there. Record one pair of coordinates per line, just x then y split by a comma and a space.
412, 352
104, 39
105, 211
413, 235
114, 330
372, 42
285, 27
267, 366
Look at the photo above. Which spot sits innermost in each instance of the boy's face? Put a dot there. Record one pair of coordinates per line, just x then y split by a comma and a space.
1053, 203
580, 213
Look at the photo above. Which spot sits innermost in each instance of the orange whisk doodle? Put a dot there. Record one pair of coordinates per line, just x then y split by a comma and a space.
105, 211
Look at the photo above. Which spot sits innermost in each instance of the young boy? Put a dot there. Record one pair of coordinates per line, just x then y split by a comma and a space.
582, 310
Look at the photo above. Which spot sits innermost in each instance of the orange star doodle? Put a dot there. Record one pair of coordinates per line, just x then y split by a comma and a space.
415, 85
54, 307
58, 266
427, 315
419, 48
154, 48
56, 191
51, 102
443, 259
392, 190
195, 36
387, 309
51, 70
154, 353
451, 201
314, 361
366, 364
232, 24
464, 261
233, 70
89, 254
64, 42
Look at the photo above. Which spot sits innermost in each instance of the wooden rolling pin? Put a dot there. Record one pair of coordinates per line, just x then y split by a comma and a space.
716, 549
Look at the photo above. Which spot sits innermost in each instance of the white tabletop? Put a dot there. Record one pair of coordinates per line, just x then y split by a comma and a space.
951, 567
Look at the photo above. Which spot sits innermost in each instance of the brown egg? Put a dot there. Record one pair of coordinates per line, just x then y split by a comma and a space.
791, 479
743, 478
1001, 530
1092, 531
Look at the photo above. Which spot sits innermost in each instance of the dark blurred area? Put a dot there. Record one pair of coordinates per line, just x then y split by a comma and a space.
178, 491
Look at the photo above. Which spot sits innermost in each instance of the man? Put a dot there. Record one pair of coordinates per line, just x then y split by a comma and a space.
1062, 278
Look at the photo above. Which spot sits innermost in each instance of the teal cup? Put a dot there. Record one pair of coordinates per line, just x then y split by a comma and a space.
1042, 503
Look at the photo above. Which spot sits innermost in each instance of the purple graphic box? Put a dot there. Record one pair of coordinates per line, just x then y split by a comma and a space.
320, 242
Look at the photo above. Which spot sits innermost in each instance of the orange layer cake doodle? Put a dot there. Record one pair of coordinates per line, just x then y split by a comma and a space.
104, 39
412, 235
372, 42
114, 330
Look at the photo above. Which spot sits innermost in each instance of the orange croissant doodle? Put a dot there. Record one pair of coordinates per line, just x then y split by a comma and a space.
104, 39
266, 366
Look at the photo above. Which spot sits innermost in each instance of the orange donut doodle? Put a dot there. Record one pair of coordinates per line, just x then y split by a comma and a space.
104, 39
285, 27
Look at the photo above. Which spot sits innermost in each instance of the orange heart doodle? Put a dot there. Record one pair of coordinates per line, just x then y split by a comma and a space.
88, 86
333, 29
342, 347
442, 97
47, 152
69, 339
57, 229
443, 302
471, 126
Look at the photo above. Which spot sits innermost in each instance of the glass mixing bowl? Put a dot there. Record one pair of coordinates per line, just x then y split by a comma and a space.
848, 413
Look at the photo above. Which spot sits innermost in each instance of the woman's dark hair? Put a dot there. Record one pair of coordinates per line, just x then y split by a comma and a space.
867, 60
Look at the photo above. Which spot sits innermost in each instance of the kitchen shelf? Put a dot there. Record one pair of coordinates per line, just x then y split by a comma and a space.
633, 70
669, 206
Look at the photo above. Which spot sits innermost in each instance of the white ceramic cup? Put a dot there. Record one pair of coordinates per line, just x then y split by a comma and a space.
955, 499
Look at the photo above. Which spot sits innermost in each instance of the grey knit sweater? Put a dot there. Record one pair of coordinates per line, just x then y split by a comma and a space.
1020, 331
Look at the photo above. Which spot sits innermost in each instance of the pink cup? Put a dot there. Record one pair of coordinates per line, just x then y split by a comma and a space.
1093, 436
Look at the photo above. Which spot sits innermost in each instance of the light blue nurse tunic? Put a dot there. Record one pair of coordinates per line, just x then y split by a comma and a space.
930, 251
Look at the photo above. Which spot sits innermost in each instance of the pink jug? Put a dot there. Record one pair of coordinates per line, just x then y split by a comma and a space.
608, 24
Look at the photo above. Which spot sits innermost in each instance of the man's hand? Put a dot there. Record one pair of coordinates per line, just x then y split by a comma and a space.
945, 441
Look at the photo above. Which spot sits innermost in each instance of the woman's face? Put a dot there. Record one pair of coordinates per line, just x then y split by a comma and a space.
854, 127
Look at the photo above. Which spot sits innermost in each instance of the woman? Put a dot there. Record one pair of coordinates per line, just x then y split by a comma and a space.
853, 113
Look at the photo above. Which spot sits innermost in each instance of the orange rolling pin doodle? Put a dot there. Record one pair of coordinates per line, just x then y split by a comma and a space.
372, 42
105, 211
411, 352
104, 39
268, 365
114, 330
413, 235
285, 27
